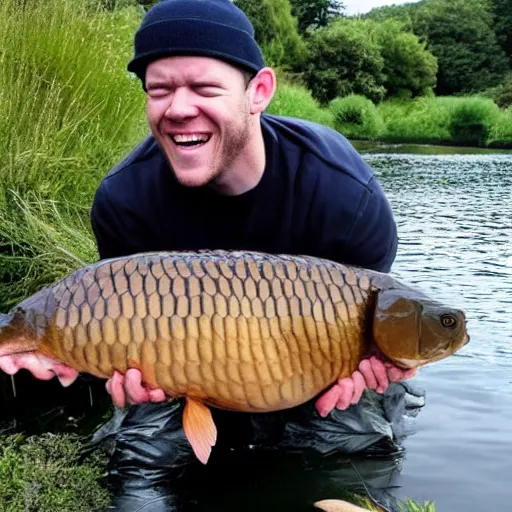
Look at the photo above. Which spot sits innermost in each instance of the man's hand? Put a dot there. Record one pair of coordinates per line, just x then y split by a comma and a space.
372, 374
129, 388
41, 367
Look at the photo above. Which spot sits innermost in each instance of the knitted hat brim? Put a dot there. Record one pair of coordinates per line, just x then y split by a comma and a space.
192, 36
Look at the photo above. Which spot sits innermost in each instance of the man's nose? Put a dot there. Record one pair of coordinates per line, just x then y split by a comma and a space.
182, 105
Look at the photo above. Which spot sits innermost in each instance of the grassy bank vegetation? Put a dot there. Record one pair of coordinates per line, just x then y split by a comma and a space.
49, 473
69, 112
470, 120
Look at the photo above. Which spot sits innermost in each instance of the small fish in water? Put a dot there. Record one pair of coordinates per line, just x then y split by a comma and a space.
243, 331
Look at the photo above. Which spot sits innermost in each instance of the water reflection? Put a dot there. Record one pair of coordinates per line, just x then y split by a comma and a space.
454, 215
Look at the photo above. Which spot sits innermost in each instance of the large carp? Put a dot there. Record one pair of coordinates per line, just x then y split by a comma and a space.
244, 331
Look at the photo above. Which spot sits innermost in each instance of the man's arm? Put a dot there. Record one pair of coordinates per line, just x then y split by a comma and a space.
107, 226
372, 240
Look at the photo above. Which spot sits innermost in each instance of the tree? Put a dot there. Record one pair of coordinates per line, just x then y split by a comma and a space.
502, 12
408, 65
342, 60
313, 14
275, 30
460, 35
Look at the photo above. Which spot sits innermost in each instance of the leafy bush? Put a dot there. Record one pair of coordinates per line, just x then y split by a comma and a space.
276, 31
296, 101
343, 60
408, 65
504, 93
472, 119
423, 120
356, 117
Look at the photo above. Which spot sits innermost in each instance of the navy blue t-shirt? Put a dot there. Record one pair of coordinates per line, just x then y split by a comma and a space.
317, 196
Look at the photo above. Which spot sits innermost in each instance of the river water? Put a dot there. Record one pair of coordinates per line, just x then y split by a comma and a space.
454, 215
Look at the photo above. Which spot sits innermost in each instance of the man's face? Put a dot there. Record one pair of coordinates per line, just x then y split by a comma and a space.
198, 110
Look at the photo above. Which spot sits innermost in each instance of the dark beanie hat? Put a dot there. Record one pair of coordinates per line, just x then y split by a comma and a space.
212, 28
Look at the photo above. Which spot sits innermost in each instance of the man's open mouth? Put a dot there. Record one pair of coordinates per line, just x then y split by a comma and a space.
191, 140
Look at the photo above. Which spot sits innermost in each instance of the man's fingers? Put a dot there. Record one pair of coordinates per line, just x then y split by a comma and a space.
359, 387
115, 387
365, 367
135, 392
326, 403
381, 374
8, 365
347, 392
396, 374
157, 395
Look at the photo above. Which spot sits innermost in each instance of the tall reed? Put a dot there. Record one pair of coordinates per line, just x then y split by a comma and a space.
69, 111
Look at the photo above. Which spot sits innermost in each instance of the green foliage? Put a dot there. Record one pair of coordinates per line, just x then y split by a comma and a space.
408, 65
41, 241
296, 101
356, 117
276, 31
472, 119
312, 14
460, 35
424, 120
45, 474
398, 12
504, 96
502, 12
66, 114
342, 60
501, 131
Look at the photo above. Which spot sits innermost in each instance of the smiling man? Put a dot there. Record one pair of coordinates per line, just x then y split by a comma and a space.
217, 172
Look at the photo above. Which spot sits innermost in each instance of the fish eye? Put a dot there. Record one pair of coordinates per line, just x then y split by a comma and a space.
448, 321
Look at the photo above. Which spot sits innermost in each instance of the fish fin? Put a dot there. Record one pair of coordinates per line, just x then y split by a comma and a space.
338, 506
199, 428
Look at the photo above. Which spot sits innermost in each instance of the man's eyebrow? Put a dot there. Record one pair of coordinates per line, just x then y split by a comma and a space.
157, 82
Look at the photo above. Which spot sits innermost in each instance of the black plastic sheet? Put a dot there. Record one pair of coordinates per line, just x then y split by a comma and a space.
152, 466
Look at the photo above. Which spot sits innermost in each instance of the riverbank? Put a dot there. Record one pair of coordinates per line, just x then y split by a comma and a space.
457, 122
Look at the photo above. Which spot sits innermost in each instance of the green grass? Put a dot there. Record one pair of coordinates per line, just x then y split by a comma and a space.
68, 107
46, 473
356, 117
474, 121
69, 111
296, 101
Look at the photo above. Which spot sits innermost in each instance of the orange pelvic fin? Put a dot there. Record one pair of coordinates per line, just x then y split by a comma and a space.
199, 428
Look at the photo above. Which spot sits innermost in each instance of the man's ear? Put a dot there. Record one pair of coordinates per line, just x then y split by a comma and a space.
261, 90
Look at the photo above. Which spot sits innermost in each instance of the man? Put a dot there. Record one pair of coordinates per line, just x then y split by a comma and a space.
219, 173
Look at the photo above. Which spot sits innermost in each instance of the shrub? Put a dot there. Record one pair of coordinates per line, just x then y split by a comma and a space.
343, 60
472, 119
296, 101
356, 116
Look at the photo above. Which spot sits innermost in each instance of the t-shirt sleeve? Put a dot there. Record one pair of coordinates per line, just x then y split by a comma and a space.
107, 226
371, 238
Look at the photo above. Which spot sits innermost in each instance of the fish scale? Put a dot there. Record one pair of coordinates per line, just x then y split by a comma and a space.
238, 330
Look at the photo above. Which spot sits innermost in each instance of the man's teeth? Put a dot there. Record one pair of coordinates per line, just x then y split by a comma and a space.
190, 139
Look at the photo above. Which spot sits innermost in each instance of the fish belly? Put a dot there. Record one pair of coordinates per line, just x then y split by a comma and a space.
237, 330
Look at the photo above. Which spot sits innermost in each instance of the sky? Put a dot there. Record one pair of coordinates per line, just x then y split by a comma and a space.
362, 6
